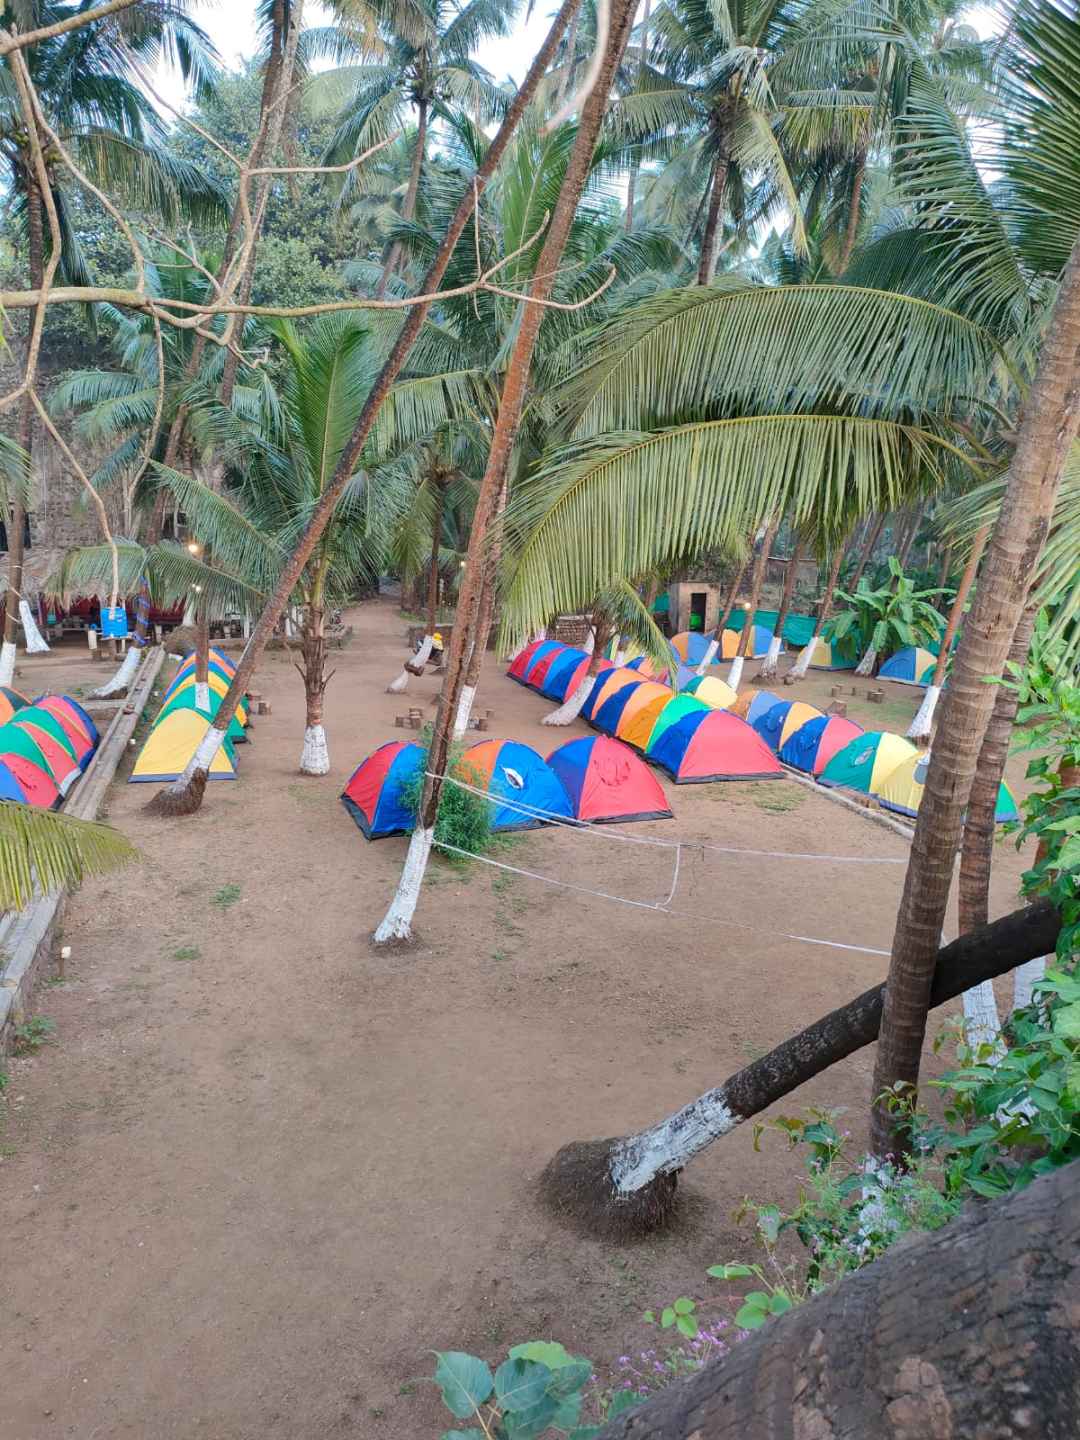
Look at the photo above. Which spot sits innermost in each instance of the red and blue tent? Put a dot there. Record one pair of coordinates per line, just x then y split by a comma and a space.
606, 782
606, 685
521, 661
541, 666
566, 675
714, 745
543, 651
815, 742
518, 776
22, 779
375, 797
64, 706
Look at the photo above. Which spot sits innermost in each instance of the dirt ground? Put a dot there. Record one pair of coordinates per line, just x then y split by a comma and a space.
262, 1171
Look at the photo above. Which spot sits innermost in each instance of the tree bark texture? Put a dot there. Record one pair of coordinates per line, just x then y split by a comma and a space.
408, 206
768, 665
186, 794
436, 549
851, 230
967, 579
1049, 427
972, 1331
761, 561
869, 545
510, 407
711, 233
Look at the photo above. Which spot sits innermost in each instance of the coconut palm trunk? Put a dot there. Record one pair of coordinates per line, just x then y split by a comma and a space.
851, 230
746, 643
714, 646
635, 164
921, 726
396, 924
873, 535
806, 654
717, 187
628, 1184
202, 656
408, 207
414, 665
315, 756
1050, 424
184, 795
768, 665
14, 602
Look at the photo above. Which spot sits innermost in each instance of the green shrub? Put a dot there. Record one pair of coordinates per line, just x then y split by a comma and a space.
464, 819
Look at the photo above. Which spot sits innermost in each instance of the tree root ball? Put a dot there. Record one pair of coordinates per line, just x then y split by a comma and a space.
576, 1185
170, 803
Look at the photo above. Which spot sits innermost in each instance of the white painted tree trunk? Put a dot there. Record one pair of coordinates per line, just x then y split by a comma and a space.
464, 710
768, 665
982, 1025
1024, 979
189, 611
245, 626
802, 662
420, 658
123, 676
315, 756
866, 664
203, 758
36, 644
923, 723
572, 706
671, 1144
7, 662
734, 678
620, 658
397, 922
590, 642
202, 696
710, 652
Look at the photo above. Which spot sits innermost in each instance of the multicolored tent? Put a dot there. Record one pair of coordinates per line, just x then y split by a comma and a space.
648, 670
171, 744
215, 685
522, 660
826, 656
52, 740
866, 762
911, 666
566, 672
542, 665
607, 714
612, 680
814, 743
714, 745
375, 794
517, 775
606, 782
187, 671
23, 779
902, 790
711, 691
752, 703
10, 701
670, 714
690, 646
542, 651
184, 699
63, 707
639, 713
760, 643
777, 724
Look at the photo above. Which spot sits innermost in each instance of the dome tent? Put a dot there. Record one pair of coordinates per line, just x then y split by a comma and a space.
606, 782
541, 666
816, 741
781, 720
911, 666
638, 714
714, 745
902, 790
375, 795
521, 661
752, 703
670, 714
865, 763
170, 746
518, 775
543, 651
608, 683
711, 691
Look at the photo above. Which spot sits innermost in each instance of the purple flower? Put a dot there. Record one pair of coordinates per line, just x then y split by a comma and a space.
624, 1359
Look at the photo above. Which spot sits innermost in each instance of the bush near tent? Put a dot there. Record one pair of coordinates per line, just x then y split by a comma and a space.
753, 703
171, 744
606, 782
714, 745
717, 694
638, 715
777, 724
865, 763
610, 682
902, 790
375, 795
816, 741
670, 714
911, 666
515, 773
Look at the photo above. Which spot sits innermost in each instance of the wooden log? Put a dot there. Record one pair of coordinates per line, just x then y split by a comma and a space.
973, 1330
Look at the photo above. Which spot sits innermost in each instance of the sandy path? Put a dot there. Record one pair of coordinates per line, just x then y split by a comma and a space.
249, 1189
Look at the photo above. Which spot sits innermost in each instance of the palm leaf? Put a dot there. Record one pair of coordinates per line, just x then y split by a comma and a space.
41, 852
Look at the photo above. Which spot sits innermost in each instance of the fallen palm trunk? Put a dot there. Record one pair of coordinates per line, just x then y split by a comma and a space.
628, 1184
968, 1331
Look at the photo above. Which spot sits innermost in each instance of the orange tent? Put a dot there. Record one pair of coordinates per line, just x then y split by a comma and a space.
639, 714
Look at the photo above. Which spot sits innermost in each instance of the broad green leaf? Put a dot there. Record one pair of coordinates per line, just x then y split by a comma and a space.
686, 1325
751, 1317
544, 1352
569, 1378
730, 1272
1067, 1021
520, 1384
683, 1306
623, 1400
527, 1423
465, 1382
779, 1303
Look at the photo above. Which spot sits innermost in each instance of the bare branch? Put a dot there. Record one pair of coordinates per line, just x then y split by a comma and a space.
10, 41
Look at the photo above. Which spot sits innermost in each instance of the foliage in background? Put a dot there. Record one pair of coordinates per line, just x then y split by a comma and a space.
464, 818
888, 618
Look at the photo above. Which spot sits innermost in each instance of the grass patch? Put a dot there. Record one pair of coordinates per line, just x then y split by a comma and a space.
187, 952
776, 799
31, 1036
227, 896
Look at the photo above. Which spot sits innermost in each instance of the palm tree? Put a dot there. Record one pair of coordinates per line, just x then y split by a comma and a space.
767, 669
86, 86
426, 68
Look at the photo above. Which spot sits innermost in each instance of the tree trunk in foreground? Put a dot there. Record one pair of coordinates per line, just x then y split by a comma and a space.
628, 1184
746, 640
969, 1331
16, 519
768, 665
924, 718
184, 796
1049, 427
806, 654
396, 924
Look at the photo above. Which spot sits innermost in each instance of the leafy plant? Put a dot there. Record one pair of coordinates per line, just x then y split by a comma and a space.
464, 819
539, 1388
888, 618
681, 1313
32, 1035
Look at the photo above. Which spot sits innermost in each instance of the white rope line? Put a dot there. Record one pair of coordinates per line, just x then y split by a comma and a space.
662, 907
613, 832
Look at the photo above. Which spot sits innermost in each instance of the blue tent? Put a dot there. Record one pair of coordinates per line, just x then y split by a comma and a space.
544, 648
374, 796
559, 671
608, 715
517, 774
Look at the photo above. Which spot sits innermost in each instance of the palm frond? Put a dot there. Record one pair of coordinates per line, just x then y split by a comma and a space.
41, 852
